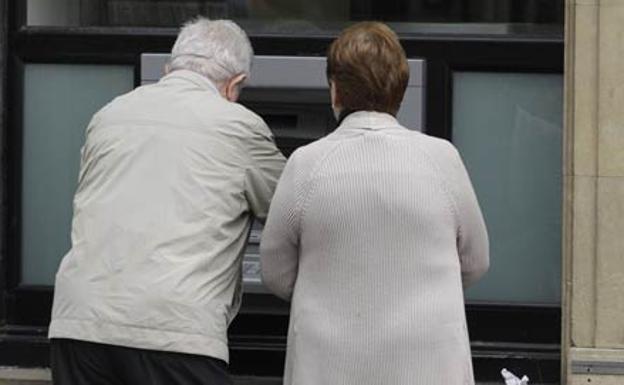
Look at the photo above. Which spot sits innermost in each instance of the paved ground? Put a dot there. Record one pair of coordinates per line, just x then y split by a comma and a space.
255, 381
16, 376
277, 381
237, 381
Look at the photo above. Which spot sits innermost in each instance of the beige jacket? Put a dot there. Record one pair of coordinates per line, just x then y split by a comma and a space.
170, 175
372, 232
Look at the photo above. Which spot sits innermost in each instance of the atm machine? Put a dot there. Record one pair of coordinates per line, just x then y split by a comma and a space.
291, 94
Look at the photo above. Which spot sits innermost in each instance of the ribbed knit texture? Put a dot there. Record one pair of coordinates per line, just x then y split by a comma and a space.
370, 233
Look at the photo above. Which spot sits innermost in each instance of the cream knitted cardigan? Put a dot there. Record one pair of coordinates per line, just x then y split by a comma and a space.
371, 233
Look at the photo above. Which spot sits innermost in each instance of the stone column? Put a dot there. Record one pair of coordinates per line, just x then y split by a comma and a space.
593, 234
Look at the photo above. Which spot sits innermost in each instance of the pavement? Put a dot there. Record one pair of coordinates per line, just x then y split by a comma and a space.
239, 381
20, 376
277, 381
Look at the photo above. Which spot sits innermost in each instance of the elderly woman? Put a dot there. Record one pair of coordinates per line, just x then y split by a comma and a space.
372, 232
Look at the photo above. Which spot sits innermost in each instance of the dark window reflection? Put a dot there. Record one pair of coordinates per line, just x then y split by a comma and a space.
294, 13
480, 11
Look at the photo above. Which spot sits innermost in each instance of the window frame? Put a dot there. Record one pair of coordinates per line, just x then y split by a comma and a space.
517, 335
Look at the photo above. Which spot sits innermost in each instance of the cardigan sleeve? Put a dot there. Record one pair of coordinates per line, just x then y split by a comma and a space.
472, 237
279, 247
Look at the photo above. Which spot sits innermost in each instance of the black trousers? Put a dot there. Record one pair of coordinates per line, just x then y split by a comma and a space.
84, 363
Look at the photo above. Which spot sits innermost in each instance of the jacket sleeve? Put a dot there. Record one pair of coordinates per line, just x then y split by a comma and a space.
472, 237
87, 160
264, 170
279, 248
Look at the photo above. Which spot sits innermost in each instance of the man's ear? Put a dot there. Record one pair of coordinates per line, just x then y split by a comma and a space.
233, 87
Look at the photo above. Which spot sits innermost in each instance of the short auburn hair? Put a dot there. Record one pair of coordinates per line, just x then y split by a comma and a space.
368, 67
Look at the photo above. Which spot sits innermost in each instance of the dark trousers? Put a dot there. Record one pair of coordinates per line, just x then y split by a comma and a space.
84, 363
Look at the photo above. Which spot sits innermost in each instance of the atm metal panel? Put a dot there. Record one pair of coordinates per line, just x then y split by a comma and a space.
291, 94
305, 73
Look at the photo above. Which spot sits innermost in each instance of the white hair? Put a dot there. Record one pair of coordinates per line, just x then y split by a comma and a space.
216, 49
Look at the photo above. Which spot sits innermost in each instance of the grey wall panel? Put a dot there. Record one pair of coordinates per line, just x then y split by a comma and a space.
412, 112
298, 71
305, 73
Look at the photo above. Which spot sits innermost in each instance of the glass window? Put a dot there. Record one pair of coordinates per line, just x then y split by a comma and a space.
508, 128
300, 16
59, 100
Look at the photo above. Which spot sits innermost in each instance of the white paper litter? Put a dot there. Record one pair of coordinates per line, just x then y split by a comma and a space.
511, 379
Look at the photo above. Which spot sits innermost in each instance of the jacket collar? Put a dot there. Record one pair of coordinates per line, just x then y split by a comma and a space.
192, 77
368, 120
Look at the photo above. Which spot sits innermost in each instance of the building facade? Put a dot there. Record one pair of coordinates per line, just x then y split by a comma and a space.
593, 254
544, 148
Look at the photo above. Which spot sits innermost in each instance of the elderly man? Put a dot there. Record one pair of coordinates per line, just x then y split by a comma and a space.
170, 176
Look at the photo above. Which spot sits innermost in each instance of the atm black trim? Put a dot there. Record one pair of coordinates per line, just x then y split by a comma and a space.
512, 335
264, 314
262, 351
